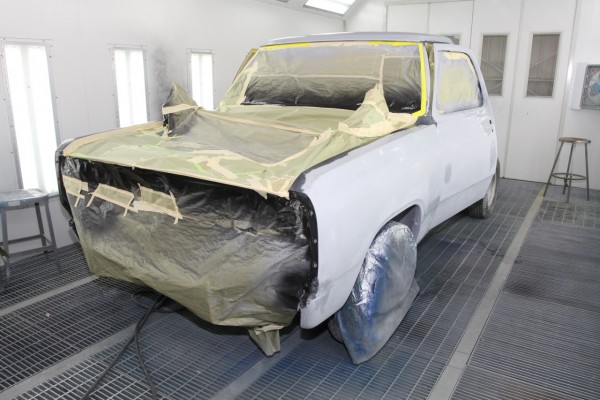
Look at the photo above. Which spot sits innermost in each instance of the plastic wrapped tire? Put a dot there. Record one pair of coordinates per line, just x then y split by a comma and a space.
382, 295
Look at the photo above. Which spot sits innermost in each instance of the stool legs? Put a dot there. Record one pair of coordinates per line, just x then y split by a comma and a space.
52, 238
553, 167
569, 175
38, 213
587, 174
48, 244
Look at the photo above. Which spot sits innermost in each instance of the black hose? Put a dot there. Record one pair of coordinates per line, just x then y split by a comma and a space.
133, 339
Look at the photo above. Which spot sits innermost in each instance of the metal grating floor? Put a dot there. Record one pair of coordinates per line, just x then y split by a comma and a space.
188, 359
584, 215
38, 336
544, 355
543, 337
38, 275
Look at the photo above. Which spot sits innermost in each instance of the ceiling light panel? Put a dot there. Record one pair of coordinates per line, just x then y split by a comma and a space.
334, 6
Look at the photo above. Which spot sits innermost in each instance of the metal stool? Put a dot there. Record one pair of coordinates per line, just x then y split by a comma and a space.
568, 177
23, 199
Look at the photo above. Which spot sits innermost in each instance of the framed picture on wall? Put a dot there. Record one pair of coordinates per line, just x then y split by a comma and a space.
590, 95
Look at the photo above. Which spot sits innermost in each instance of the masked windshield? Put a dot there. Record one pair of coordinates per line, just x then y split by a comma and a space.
335, 75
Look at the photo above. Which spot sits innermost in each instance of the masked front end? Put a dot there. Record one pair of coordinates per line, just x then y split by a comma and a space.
228, 254
201, 208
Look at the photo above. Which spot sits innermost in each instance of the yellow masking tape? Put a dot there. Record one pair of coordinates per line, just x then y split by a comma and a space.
286, 46
113, 195
392, 43
178, 108
357, 43
423, 85
74, 187
157, 202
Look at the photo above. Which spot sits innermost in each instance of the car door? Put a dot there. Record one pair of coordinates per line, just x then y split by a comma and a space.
466, 129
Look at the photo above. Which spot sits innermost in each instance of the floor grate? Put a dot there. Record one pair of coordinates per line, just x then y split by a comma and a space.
478, 384
544, 333
578, 195
582, 215
73, 385
38, 336
37, 275
187, 359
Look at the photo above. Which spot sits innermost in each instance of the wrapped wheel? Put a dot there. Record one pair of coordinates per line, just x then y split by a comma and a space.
382, 295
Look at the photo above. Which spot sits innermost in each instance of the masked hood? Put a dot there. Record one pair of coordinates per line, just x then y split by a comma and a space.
259, 147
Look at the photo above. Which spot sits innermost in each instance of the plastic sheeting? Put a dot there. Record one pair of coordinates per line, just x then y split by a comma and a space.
458, 85
334, 75
382, 295
263, 148
227, 254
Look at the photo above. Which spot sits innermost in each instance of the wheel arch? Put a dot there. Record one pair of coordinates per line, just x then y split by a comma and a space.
410, 217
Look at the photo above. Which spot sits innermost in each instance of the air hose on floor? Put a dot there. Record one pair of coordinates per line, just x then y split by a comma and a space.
135, 340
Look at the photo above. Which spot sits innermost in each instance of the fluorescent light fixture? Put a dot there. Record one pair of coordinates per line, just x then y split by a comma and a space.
201, 72
334, 6
131, 86
33, 113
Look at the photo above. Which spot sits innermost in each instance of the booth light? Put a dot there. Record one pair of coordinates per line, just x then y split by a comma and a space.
334, 6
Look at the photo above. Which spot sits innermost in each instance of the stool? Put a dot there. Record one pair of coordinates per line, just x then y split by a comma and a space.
568, 177
22, 199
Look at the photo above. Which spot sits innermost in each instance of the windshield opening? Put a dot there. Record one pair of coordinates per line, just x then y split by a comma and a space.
334, 75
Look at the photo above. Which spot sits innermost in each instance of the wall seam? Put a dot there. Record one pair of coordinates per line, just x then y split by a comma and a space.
570, 71
512, 92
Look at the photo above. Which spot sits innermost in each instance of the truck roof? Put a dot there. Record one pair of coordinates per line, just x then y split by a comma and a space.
363, 36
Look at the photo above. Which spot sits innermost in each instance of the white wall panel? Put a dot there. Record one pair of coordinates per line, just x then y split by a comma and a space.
367, 16
585, 123
499, 17
535, 121
408, 18
453, 18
